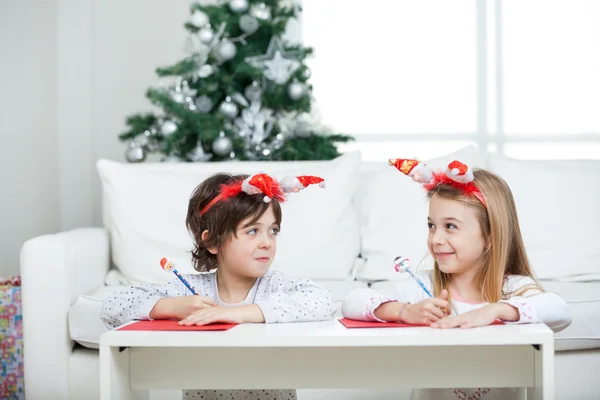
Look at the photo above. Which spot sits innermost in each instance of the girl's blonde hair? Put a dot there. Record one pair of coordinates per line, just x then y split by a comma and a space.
504, 252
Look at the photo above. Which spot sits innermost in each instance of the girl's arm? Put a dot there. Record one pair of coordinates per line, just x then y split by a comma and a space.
137, 302
362, 303
369, 305
287, 299
535, 306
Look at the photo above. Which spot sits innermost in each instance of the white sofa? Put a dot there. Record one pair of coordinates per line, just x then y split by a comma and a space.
344, 237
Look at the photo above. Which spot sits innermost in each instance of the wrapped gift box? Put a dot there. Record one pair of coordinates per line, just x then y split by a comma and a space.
11, 340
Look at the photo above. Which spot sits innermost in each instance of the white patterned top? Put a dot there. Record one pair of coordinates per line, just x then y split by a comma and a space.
281, 299
533, 305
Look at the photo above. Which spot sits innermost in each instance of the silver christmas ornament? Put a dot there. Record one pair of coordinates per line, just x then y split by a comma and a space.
278, 65
228, 108
238, 6
296, 90
199, 19
222, 145
135, 154
255, 123
253, 92
226, 50
248, 24
142, 139
295, 124
168, 127
198, 154
260, 11
306, 73
204, 104
241, 100
178, 97
205, 71
206, 35
303, 125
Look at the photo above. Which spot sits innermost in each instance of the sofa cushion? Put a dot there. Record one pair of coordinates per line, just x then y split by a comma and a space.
145, 205
558, 208
392, 211
583, 299
85, 326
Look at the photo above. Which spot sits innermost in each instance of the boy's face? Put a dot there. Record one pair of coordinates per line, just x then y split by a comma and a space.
251, 253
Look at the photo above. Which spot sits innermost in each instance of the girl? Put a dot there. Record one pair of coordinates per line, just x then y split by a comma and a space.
234, 220
481, 272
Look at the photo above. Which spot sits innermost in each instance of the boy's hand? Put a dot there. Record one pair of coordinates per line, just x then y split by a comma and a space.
231, 315
481, 317
180, 307
426, 311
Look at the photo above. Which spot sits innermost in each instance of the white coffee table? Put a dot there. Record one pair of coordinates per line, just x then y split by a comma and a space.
327, 355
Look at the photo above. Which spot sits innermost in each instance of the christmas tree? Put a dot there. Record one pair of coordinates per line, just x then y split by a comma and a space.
241, 93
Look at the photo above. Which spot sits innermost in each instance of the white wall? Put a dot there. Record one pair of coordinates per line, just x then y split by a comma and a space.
28, 128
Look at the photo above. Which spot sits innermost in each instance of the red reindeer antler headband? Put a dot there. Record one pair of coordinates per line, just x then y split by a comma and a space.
266, 185
457, 175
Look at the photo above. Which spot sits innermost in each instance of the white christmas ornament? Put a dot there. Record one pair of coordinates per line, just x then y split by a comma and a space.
199, 18
135, 154
278, 65
205, 71
260, 11
248, 24
228, 108
206, 35
296, 90
168, 128
198, 154
226, 50
204, 104
238, 6
253, 92
222, 145
255, 123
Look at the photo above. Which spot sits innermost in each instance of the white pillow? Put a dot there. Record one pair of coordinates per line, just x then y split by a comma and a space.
145, 205
558, 204
392, 210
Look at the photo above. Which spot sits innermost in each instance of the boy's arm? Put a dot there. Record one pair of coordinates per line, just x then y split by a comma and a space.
288, 299
136, 302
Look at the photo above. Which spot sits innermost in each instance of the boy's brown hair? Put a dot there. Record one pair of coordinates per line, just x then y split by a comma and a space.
222, 219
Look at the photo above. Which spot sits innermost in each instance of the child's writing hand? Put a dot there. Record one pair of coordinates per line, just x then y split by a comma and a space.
180, 307
426, 311
481, 317
231, 315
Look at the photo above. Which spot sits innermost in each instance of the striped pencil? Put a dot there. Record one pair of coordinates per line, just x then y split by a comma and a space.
167, 265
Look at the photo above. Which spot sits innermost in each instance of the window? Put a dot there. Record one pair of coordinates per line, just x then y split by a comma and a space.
426, 77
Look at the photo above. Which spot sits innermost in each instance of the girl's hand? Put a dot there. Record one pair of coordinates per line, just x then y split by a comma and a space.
231, 315
426, 311
481, 317
180, 307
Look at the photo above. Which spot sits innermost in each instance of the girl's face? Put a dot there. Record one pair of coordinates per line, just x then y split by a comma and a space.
455, 239
251, 253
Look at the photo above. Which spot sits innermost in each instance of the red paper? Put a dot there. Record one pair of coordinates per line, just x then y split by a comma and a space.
170, 325
352, 323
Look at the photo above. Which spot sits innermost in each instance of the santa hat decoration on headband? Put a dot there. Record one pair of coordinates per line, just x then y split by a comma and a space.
456, 174
459, 172
266, 185
297, 183
263, 183
419, 172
